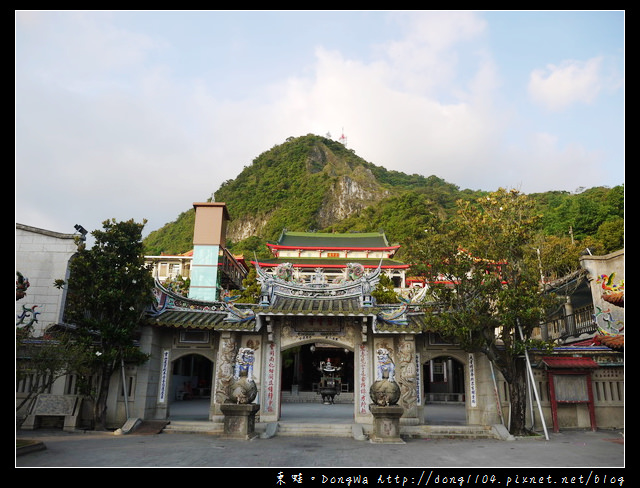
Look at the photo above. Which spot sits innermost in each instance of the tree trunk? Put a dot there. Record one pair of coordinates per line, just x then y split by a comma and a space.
518, 398
100, 404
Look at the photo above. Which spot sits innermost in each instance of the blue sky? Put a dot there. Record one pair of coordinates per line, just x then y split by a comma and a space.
137, 114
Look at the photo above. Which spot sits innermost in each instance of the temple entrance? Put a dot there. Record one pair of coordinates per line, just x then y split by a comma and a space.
444, 387
306, 370
191, 380
301, 367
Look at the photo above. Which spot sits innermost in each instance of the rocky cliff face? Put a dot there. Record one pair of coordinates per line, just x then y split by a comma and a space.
348, 196
246, 226
349, 188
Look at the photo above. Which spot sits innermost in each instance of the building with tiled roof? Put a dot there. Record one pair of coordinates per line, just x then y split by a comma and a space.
332, 252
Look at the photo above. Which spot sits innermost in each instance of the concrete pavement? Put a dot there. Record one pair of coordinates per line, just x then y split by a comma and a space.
567, 449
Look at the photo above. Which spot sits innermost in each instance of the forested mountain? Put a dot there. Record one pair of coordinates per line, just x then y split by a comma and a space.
313, 183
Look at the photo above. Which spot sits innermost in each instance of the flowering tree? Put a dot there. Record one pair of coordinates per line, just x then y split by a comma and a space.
109, 290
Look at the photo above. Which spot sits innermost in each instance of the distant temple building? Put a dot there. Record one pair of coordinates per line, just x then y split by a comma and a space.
308, 252
312, 252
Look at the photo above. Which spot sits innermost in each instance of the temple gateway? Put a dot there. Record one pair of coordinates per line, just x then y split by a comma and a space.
316, 324
316, 334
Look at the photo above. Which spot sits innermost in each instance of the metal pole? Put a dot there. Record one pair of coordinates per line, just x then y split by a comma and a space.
124, 388
530, 396
495, 389
526, 355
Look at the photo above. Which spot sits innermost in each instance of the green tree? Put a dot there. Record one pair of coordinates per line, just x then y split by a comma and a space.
611, 234
485, 277
251, 288
384, 292
109, 290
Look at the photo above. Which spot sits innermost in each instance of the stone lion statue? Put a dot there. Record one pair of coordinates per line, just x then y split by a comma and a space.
244, 363
385, 391
243, 389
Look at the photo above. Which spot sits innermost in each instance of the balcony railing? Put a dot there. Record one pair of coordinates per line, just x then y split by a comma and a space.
580, 322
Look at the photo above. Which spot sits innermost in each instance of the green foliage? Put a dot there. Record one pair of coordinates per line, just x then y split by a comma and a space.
610, 234
289, 184
109, 286
582, 214
484, 274
384, 291
109, 290
173, 238
250, 247
251, 288
179, 285
401, 217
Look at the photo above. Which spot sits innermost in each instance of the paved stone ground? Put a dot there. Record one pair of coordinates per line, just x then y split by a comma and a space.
565, 449
322, 456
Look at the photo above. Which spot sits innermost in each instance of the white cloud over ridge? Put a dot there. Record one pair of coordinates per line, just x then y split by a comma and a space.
119, 116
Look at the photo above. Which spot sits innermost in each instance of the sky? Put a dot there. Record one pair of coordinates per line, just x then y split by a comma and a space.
139, 114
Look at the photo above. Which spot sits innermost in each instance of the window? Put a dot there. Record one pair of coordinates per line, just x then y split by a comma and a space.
194, 336
438, 372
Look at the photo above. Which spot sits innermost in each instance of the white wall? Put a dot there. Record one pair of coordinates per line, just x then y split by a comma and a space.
43, 256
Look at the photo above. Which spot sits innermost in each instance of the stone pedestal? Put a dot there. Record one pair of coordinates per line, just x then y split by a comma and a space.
239, 420
386, 424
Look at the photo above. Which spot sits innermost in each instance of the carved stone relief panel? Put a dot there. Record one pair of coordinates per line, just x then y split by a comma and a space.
224, 370
338, 330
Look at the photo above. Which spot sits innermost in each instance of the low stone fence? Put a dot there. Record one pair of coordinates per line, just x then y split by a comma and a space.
65, 406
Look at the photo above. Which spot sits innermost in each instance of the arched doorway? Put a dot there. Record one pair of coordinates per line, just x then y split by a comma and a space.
191, 379
301, 378
444, 391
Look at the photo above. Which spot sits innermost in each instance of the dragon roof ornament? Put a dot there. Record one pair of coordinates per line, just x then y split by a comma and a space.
356, 283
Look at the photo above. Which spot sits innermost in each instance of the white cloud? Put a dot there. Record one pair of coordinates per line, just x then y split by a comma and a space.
428, 58
413, 130
107, 126
557, 87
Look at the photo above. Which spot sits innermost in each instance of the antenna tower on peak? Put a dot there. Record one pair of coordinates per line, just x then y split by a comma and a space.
343, 138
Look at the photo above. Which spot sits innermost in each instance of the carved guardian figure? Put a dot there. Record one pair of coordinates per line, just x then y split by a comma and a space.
384, 391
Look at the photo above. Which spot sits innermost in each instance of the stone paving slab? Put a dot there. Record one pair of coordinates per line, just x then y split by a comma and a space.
581, 449
318, 459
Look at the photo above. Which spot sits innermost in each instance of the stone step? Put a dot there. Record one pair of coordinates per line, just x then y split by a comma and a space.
449, 431
303, 429
194, 427
314, 430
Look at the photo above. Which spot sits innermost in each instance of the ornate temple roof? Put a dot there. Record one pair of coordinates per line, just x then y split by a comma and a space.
302, 306
281, 295
333, 263
320, 240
